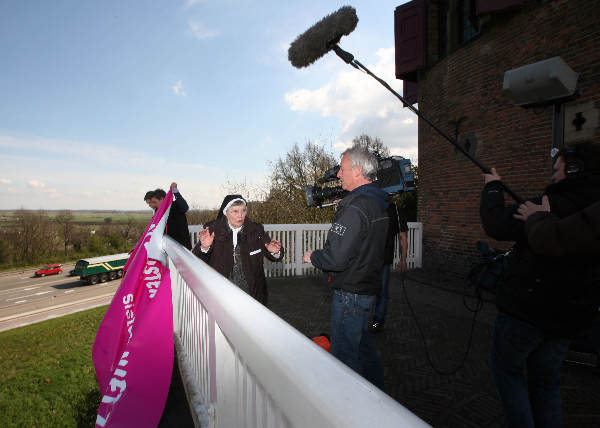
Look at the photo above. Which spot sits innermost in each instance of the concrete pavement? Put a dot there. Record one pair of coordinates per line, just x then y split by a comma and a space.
25, 299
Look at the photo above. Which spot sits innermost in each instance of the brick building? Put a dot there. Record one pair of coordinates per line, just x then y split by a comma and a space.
452, 56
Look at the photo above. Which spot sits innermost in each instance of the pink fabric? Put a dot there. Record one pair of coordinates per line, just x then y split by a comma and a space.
133, 350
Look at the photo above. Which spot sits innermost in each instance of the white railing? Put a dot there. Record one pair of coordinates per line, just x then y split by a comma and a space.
299, 238
243, 366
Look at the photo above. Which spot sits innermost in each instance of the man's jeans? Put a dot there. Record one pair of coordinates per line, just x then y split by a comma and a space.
516, 345
382, 298
351, 340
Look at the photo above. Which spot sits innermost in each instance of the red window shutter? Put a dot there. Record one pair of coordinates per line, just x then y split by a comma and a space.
491, 6
410, 91
410, 33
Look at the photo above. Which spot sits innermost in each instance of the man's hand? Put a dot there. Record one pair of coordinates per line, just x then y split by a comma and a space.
335, 201
306, 258
173, 186
493, 176
273, 247
206, 238
528, 208
401, 267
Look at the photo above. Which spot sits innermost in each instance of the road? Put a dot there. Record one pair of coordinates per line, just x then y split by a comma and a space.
25, 299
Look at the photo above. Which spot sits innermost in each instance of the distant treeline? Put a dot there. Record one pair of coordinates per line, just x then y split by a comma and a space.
36, 237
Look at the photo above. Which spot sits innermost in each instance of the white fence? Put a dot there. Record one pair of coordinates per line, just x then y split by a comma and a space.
299, 238
243, 366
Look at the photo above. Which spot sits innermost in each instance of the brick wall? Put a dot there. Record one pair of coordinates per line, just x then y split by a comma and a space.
517, 141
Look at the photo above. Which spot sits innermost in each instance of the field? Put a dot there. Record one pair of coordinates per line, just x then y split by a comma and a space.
47, 377
89, 217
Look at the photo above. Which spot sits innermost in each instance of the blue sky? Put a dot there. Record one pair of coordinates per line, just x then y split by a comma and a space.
104, 100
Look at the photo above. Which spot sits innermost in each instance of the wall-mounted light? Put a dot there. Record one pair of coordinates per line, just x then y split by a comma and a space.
540, 83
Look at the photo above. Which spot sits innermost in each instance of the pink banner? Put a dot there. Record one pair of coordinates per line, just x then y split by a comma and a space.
133, 350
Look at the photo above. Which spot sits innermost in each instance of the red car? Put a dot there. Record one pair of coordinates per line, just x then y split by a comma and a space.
49, 270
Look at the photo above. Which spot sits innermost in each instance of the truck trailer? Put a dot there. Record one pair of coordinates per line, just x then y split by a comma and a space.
101, 269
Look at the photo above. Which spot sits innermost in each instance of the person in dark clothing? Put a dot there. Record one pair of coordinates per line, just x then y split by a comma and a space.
235, 246
543, 301
549, 235
352, 257
575, 235
398, 228
177, 225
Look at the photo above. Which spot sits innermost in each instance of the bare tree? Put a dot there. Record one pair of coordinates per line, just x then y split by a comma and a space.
64, 219
35, 237
372, 144
286, 202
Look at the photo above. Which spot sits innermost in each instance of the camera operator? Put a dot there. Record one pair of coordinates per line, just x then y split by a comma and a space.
353, 256
543, 301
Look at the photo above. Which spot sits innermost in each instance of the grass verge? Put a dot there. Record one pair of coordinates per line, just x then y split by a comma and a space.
47, 376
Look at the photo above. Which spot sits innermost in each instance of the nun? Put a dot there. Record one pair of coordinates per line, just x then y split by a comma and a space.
235, 246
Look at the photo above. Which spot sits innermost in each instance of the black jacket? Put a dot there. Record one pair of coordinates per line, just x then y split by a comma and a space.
177, 225
251, 240
578, 234
354, 251
559, 295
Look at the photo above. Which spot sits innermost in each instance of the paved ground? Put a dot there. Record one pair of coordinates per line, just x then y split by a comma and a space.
464, 399
25, 299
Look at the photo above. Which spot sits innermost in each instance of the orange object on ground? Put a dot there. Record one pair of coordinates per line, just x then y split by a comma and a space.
323, 342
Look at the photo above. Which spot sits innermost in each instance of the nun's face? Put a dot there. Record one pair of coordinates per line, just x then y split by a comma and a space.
236, 215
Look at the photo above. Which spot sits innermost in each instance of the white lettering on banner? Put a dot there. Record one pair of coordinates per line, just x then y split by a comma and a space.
117, 382
152, 277
129, 314
149, 236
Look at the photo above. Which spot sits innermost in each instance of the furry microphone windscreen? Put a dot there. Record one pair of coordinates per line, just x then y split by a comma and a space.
320, 38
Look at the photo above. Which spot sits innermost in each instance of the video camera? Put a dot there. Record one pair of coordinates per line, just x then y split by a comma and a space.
394, 175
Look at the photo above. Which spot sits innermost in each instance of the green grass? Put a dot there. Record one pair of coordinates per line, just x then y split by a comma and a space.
47, 376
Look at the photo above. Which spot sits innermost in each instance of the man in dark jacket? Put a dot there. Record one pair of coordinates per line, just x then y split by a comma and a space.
549, 235
542, 301
235, 246
352, 257
576, 235
177, 225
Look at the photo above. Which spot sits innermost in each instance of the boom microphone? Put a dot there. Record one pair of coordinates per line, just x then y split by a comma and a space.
322, 37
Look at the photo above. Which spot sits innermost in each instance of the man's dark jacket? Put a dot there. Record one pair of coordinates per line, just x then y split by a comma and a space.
578, 234
177, 225
353, 254
251, 239
558, 295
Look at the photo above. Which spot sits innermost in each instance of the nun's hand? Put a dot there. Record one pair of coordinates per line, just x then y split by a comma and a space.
306, 258
206, 238
273, 247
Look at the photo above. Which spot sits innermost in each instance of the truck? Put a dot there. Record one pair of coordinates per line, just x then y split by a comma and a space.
101, 269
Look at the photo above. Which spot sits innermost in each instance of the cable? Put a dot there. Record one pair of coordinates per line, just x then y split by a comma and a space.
475, 311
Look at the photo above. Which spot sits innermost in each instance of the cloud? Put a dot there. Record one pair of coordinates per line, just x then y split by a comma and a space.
201, 31
362, 106
104, 176
5, 181
178, 89
36, 184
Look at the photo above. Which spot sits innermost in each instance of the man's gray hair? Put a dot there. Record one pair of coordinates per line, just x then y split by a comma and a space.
361, 157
